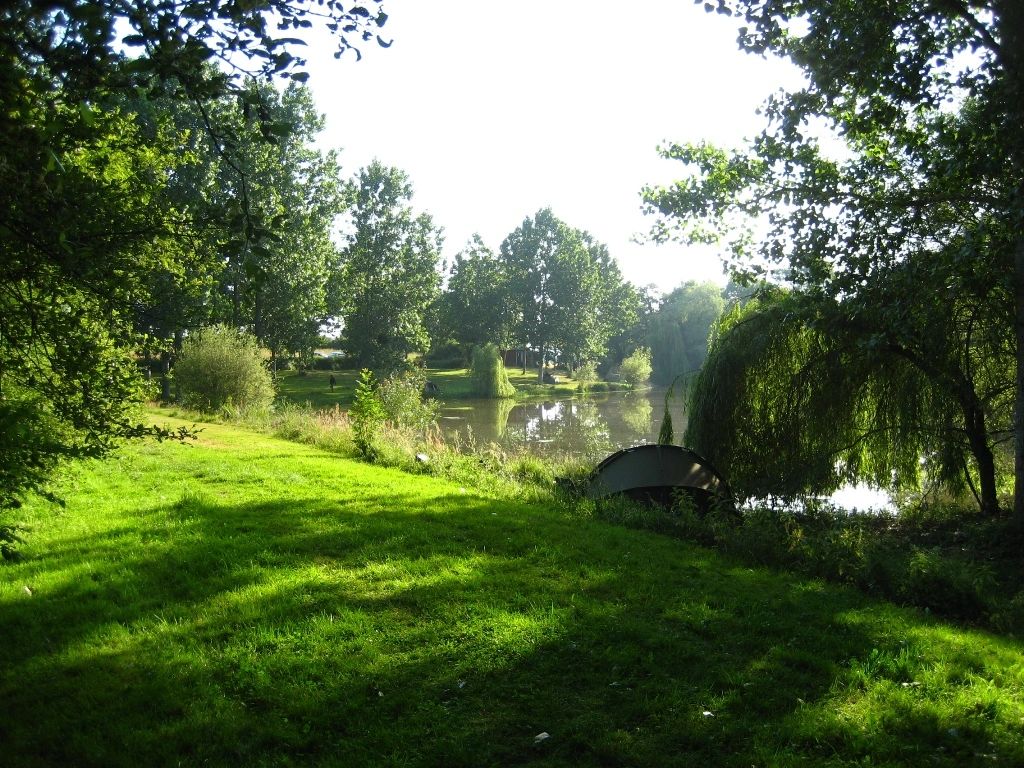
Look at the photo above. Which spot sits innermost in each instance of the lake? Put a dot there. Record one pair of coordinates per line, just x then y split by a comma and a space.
589, 427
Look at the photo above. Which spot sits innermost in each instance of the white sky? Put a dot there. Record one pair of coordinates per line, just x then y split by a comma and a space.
497, 109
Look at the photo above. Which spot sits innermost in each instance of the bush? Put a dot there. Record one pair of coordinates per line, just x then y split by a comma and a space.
397, 403
367, 414
946, 585
636, 369
450, 355
220, 368
586, 375
401, 397
488, 372
326, 363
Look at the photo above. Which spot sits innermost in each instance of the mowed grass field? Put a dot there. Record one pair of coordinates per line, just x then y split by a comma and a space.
246, 601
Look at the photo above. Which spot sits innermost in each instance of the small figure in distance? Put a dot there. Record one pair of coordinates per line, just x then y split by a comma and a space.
333, 382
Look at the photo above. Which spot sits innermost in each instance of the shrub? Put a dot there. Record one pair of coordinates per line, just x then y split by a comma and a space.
947, 585
488, 373
221, 367
448, 355
586, 375
367, 414
395, 405
325, 363
401, 397
636, 369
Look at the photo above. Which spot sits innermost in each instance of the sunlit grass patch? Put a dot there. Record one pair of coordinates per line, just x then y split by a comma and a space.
242, 600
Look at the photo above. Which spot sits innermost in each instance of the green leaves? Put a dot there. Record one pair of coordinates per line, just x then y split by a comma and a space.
558, 281
367, 413
389, 276
872, 226
131, 180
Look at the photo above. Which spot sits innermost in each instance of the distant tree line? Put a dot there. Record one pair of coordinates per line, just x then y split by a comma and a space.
553, 291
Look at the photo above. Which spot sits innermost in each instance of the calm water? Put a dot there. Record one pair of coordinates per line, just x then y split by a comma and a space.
588, 427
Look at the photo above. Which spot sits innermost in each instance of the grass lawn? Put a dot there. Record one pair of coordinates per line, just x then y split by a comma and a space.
246, 601
314, 387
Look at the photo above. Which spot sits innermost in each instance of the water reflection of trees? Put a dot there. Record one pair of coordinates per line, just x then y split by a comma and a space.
588, 428
502, 408
637, 413
567, 426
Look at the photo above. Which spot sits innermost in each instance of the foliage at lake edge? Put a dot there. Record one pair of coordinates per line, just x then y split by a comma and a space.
958, 565
248, 600
313, 387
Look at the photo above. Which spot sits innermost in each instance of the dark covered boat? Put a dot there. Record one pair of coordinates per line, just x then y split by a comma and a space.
658, 473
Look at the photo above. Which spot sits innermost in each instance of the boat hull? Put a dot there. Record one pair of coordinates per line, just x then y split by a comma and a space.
658, 474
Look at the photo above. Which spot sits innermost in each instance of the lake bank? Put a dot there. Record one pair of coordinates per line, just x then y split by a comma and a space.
550, 421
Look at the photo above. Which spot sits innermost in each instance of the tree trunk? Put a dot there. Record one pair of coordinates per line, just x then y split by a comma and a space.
257, 320
977, 438
1010, 14
1018, 417
236, 304
165, 377
166, 359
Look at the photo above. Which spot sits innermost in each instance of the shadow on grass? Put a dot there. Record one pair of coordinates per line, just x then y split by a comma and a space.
396, 632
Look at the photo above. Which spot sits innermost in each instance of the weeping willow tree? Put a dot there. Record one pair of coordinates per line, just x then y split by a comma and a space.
797, 397
490, 379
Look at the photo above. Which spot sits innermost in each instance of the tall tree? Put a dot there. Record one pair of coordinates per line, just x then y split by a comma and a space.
925, 97
472, 309
390, 271
633, 308
183, 295
615, 307
791, 406
577, 329
528, 253
79, 242
278, 286
555, 289
678, 330
86, 218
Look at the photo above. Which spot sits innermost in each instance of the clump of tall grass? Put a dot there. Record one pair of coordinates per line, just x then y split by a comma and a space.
329, 429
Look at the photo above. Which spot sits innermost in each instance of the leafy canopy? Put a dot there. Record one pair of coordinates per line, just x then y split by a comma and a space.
92, 226
903, 247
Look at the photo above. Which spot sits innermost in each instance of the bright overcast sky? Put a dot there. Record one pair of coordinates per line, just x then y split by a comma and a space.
498, 109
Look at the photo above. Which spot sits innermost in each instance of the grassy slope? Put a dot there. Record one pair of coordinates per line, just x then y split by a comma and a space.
247, 601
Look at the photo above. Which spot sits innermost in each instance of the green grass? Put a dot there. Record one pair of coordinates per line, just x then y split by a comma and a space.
249, 601
314, 387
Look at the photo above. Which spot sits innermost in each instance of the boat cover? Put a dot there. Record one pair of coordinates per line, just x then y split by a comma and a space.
655, 472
